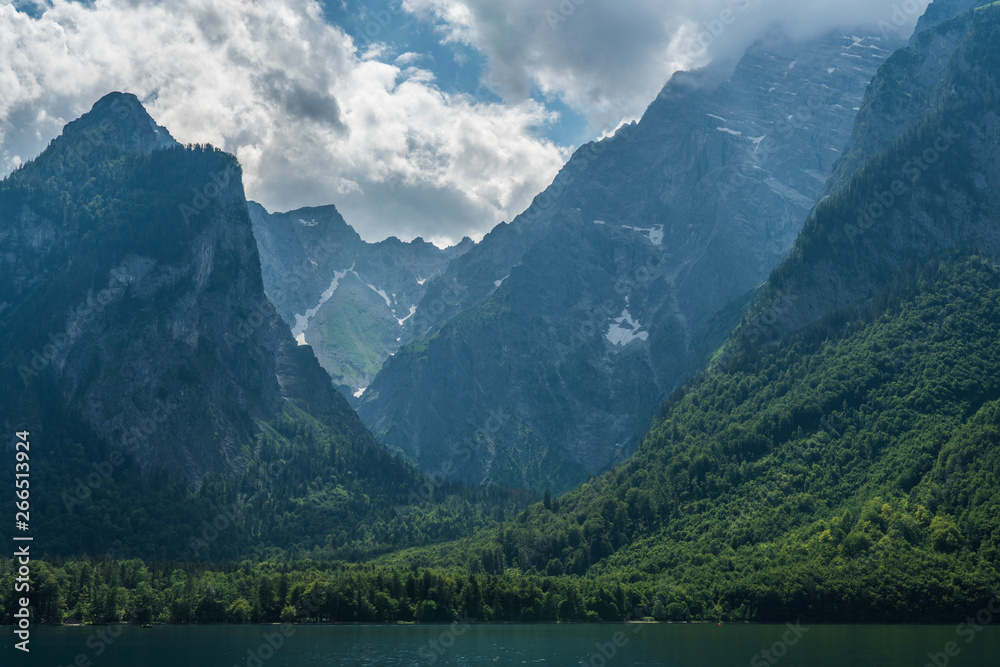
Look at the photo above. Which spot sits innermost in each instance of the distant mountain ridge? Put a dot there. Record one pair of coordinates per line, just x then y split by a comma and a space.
352, 301
563, 330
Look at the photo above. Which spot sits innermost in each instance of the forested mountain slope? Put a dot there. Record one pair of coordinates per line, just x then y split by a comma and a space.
162, 392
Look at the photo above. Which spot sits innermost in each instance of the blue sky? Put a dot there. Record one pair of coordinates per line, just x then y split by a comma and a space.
458, 67
431, 118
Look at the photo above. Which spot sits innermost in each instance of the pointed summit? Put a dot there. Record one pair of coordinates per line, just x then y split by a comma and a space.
117, 123
940, 11
121, 119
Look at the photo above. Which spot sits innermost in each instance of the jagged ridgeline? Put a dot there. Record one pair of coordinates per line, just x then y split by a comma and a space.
839, 461
930, 185
172, 415
564, 330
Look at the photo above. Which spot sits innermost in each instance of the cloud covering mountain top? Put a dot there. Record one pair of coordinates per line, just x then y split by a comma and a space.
315, 116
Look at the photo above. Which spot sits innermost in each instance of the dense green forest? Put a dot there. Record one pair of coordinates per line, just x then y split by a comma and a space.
847, 474
306, 492
311, 484
108, 591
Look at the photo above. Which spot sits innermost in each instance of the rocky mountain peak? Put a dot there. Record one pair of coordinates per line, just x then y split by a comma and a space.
940, 11
122, 120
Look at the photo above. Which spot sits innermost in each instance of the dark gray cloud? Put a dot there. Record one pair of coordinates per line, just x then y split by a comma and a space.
609, 58
300, 102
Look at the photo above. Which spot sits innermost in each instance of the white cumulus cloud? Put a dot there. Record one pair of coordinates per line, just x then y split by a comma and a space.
311, 119
609, 58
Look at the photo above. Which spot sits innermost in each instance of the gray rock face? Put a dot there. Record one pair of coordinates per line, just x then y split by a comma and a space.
940, 11
905, 89
121, 119
563, 330
929, 187
351, 301
163, 344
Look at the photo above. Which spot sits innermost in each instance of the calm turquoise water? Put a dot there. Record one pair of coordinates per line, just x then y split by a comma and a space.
598, 645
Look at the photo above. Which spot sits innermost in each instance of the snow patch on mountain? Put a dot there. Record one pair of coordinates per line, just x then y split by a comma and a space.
413, 310
378, 291
623, 330
655, 234
302, 321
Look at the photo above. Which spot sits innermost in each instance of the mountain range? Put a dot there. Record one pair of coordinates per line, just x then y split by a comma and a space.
800, 256
352, 302
838, 459
157, 380
538, 356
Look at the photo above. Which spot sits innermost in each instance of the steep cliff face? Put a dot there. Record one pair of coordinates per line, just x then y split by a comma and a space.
30, 242
137, 314
940, 11
351, 301
162, 391
905, 89
564, 329
931, 186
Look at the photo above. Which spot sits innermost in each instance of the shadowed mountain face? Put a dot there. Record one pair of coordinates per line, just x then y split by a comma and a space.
563, 330
924, 177
142, 311
352, 302
156, 380
940, 11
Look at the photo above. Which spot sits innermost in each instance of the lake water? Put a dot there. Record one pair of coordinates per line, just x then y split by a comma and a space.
597, 645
